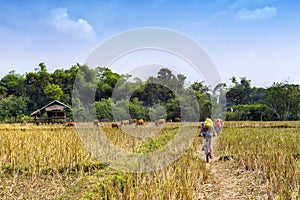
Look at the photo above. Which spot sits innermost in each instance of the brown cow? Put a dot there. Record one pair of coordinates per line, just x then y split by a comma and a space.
139, 122
160, 122
114, 125
96, 123
70, 124
133, 121
177, 119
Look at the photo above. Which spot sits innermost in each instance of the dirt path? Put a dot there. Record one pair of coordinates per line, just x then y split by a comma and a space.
228, 182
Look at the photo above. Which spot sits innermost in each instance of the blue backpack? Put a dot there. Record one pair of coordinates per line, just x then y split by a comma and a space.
203, 130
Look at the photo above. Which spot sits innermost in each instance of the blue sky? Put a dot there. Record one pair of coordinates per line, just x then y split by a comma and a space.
257, 39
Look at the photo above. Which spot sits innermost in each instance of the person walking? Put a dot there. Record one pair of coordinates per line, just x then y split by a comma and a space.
207, 129
218, 126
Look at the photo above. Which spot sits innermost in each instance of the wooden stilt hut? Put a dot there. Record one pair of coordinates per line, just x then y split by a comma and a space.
55, 113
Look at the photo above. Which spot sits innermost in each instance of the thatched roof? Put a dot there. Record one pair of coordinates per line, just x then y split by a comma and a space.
35, 112
53, 106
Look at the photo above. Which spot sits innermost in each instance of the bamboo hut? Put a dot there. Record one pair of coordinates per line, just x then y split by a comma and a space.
55, 113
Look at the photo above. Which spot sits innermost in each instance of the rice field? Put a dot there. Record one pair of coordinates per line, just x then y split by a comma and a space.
271, 150
51, 162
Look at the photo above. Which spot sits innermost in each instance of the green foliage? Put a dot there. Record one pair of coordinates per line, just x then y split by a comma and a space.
103, 109
252, 112
107, 81
137, 110
239, 93
231, 116
86, 81
278, 102
12, 84
200, 88
283, 100
80, 112
173, 108
99, 92
53, 92
204, 98
157, 112
119, 110
11, 107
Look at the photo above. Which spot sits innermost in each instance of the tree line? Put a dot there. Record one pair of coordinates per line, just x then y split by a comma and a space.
165, 95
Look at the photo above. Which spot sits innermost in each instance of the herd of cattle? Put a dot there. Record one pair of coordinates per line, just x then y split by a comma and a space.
137, 122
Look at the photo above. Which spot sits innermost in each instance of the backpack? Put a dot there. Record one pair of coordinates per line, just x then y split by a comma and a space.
207, 123
202, 127
203, 130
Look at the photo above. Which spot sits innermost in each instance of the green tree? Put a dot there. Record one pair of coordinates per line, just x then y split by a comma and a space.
157, 111
200, 87
12, 84
190, 110
204, 98
257, 95
3, 90
44, 76
255, 112
53, 92
137, 110
11, 107
104, 109
283, 100
34, 85
80, 112
106, 82
174, 83
173, 108
239, 93
84, 90
155, 94
65, 79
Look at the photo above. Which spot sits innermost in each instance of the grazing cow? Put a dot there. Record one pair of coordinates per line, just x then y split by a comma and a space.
114, 125
133, 121
177, 119
70, 124
96, 123
139, 122
160, 122
125, 122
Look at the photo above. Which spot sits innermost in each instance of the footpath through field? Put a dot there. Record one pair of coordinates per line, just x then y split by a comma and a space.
227, 182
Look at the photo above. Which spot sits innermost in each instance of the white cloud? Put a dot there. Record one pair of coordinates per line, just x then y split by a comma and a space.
264, 13
60, 19
250, 3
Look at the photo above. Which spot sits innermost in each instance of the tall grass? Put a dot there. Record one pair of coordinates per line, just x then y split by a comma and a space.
41, 162
46, 162
40, 149
273, 153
